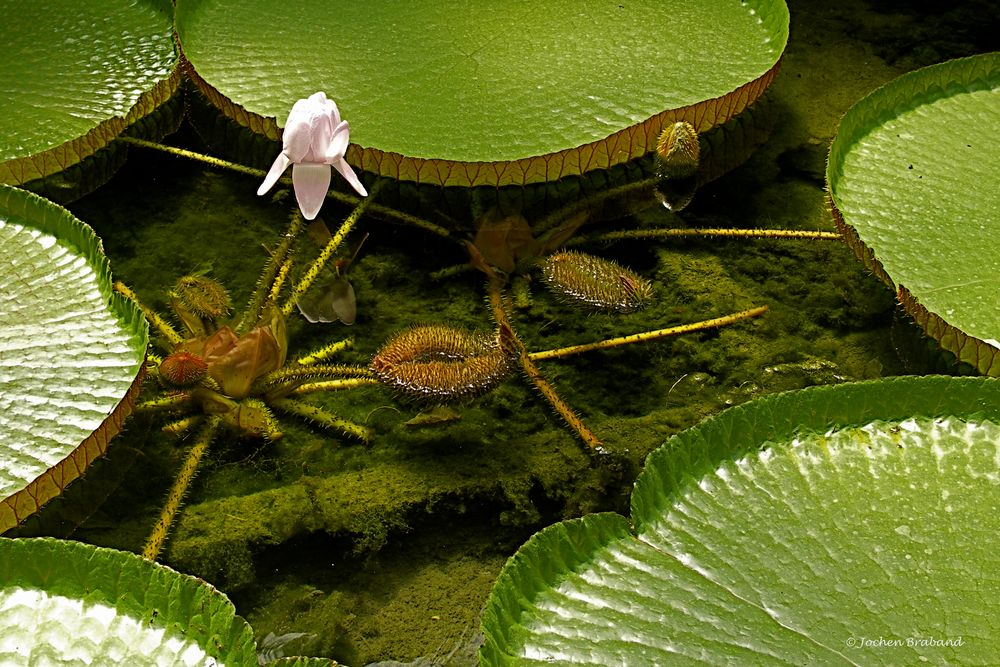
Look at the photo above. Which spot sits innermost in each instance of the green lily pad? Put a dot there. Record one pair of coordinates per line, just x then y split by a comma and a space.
67, 602
848, 524
437, 92
75, 74
71, 352
912, 177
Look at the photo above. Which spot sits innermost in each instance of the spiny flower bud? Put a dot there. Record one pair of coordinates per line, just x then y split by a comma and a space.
202, 296
439, 364
183, 368
594, 282
678, 151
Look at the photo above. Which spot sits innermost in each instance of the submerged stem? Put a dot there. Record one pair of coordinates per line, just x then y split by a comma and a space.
331, 247
543, 386
191, 155
342, 197
725, 233
648, 335
160, 324
323, 418
162, 527
273, 270
565, 212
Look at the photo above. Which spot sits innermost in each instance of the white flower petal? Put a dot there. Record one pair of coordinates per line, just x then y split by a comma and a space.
322, 135
277, 169
299, 109
297, 137
311, 181
328, 106
352, 178
338, 143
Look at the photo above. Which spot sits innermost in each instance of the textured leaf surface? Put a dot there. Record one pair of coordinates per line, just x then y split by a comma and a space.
72, 603
913, 176
801, 528
454, 93
71, 352
75, 73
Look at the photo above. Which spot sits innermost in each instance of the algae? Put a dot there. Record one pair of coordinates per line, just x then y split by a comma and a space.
387, 552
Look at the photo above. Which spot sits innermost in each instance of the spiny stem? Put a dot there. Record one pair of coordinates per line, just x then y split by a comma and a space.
181, 426
207, 159
162, 527
168, 402
560, 406
342, 197
541, 384
312, 371
727, 233
270, 275
323, 418
326, 352
332, 385
648, 335
279, 280
160, 324
331, 247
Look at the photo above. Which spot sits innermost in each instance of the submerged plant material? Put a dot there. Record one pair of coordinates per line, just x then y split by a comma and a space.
332, 297
182, 368
438, 363
233, 375
597, 283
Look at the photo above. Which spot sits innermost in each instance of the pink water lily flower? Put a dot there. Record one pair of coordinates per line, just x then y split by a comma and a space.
314, 139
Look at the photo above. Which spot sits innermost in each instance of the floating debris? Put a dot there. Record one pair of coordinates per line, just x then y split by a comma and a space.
439, 414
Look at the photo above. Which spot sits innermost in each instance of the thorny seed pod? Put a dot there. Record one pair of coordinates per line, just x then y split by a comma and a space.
182, 368
597, 283
202, 296
441, 364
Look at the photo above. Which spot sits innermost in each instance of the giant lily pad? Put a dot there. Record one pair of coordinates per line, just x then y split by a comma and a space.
71, 603
75, 74
448, 93
913, 181
850, 524
71, 352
